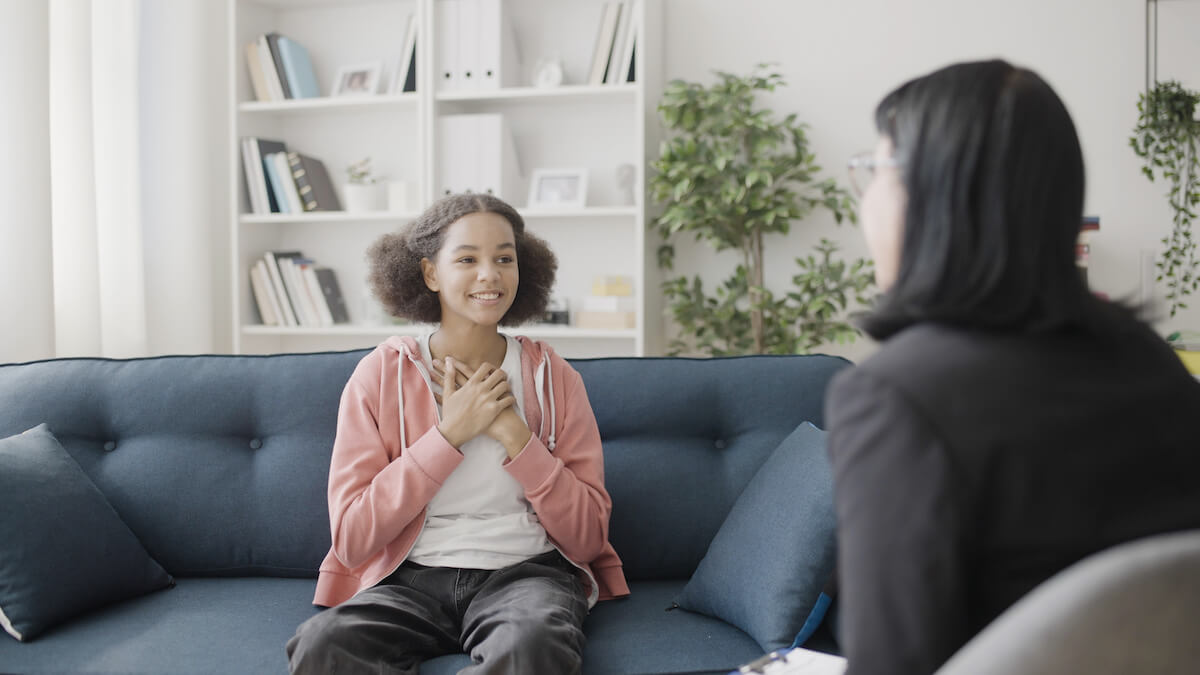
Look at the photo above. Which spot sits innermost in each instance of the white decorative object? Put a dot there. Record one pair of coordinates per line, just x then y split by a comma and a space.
548, 74
625, 176
558, 188
397, 196
359, 197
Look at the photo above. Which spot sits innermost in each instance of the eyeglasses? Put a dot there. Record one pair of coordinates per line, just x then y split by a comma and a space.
862, 169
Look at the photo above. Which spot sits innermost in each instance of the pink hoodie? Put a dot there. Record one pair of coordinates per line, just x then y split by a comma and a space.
384, 470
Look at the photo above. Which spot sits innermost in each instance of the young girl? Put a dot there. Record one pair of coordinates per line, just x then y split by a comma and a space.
466, 488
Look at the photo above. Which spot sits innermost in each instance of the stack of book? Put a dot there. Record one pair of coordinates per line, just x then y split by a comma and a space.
280, 69
610, 306
613, 56
279, 181
291, 290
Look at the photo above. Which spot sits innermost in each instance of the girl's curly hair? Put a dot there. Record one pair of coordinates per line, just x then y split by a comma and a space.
395, 261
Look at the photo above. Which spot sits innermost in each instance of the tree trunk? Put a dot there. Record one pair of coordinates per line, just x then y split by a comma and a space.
755, 276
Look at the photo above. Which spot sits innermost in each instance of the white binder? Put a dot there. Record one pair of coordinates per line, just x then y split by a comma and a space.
449, 36
498, 171
478, 155
498, 58
470, 28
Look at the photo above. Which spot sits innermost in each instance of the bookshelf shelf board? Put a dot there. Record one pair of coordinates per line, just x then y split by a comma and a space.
617, 93
586, 212
534, 331
327, 217
330, 104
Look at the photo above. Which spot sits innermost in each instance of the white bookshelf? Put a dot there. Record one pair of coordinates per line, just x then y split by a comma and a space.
596, 127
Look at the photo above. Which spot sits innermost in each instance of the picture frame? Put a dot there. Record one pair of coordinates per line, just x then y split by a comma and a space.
357, 80
558, 188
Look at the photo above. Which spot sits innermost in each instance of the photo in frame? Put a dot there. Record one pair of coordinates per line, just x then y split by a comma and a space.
558, 188
357, 80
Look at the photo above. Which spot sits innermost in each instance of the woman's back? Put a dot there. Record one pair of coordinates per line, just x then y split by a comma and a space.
1002, 459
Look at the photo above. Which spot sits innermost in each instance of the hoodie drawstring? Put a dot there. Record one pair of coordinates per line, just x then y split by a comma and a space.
540, 378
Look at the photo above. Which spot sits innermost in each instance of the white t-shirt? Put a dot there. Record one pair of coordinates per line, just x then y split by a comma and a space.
480, 519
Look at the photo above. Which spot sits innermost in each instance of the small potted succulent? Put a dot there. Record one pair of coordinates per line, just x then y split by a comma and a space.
362, 190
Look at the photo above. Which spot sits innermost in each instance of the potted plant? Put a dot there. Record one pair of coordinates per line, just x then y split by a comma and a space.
362, 191
1166, 138
733, 175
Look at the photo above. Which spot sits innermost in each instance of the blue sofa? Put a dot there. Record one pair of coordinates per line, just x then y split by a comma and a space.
218, 465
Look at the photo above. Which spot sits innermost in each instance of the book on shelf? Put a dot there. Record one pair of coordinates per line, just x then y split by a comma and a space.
628, 45
313, 183
275, 183
277, 59
287, 181
280, 69
266, 63
254, 162
260, 285
292, 290
405, 77
293, 281
258, 78
602, 51
283, 181
274, 271
298, 69
620, 35
333, 295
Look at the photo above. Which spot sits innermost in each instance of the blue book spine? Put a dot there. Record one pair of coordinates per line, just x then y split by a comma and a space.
276, 186
298, 69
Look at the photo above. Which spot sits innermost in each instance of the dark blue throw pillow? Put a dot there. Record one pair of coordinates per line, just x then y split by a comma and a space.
65, 550
768, 564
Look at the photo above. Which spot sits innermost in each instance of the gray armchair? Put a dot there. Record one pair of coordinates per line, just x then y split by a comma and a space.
1132, 609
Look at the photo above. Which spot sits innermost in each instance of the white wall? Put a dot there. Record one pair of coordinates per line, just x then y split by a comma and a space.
840, 58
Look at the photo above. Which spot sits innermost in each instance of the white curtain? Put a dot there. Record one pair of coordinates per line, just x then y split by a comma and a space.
99, 257
136, 218
26, 319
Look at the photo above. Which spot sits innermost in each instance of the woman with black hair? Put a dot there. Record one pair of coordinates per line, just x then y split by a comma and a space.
1012, 423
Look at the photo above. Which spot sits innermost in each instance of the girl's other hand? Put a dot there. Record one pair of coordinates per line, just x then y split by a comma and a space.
508, 428
469, 410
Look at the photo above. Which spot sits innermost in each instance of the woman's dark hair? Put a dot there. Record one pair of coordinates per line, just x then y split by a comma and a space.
994, 174
395, 261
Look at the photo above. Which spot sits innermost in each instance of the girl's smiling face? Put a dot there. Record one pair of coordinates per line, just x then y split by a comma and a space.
475, 273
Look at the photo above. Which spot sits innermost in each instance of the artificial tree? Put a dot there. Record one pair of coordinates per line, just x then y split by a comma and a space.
732, 174
1166, 138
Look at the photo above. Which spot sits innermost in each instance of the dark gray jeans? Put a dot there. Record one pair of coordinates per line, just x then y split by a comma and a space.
521, 619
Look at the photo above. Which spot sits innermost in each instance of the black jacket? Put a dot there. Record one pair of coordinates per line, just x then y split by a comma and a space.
970, 467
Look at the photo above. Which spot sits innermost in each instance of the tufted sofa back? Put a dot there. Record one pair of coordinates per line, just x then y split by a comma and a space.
219, 463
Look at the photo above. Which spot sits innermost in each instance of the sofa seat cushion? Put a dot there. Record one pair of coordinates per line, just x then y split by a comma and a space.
217, 625
638, 635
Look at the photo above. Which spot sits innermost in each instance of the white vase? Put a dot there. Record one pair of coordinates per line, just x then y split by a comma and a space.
397, 196
364, 197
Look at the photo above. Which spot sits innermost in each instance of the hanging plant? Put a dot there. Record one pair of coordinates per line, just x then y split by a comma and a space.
732, 176
1166, 138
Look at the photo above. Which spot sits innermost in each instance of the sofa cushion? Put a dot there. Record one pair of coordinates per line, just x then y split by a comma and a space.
683, 437
65, 550
200, 627
219, 464
775, 552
